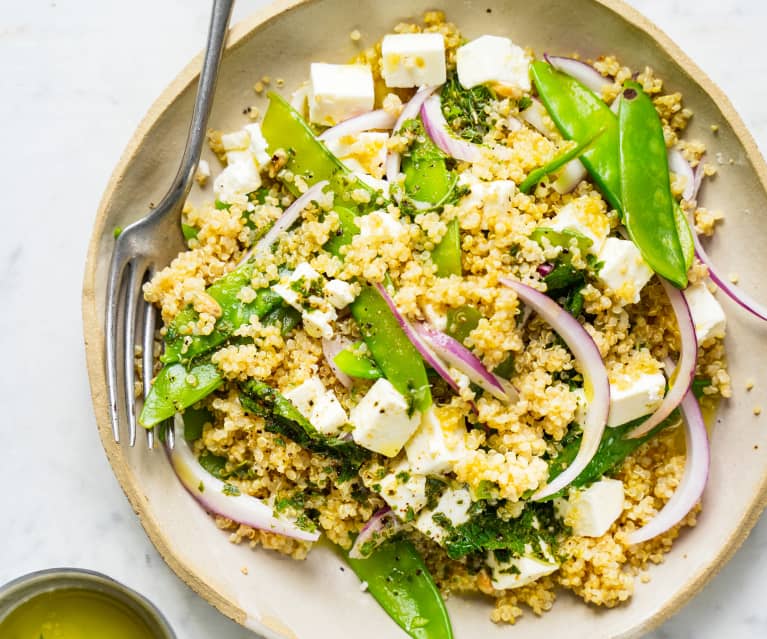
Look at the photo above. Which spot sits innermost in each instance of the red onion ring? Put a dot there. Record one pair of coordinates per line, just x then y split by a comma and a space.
684, 373
461, 358
696, 467
677, 164
438, 130
587, 75
208, 491
285, 221
570, 176
378, 119
595, 380
733, 292
382, 525
428, 355
534, 116
331, 348
409, 111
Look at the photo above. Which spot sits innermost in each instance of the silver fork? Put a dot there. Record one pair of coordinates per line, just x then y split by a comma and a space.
151, 243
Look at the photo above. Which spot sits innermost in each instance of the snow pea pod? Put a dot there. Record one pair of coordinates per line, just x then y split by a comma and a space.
355, 365
399, 581
447, 254
177, 387
579, 114
648, 206
397, 358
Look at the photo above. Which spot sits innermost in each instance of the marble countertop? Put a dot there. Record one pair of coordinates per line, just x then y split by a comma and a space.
78, 77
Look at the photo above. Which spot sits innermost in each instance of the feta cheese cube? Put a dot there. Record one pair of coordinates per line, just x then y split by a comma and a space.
319, 405
338, 92
235, 180
304, 271
290, 296
413, 59
381, 421
258, 145
363, 153
518, 571
203, 168
591, 511
454, 504
707, 314
318, 324
339, 293
496, 61
583, 216
380, 224
490, 197
303, 275
404, 490
436, 445
235, 141
635, 397
624, 270
239, 155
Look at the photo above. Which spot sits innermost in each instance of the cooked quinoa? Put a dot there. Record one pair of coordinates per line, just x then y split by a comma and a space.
506, 446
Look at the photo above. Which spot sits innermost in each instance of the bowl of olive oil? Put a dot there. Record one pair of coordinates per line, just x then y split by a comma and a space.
70, 603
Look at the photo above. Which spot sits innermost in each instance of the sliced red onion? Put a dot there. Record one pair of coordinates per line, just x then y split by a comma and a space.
378, 119
698, 175
409, 111
438, 130
728, 288
677, 164
595, 381
421, 346
331, 348
615, 105
696, 466
682, 377
570, 176
513, 124
209, 493
382, 525
535, 115
587, 75
285, 221
545, 268
455, 354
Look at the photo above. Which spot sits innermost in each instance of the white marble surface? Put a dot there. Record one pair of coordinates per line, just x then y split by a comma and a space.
77, 76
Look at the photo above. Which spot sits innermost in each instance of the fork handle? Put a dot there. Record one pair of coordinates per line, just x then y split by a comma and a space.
214, 49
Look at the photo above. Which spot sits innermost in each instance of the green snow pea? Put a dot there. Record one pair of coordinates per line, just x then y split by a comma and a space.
177, 387
234, 313
345, 234
561, 238
580, 114
399, 581
648, 206
392, 351
461, 321
355, 365
535, 176
685, 236
447, 254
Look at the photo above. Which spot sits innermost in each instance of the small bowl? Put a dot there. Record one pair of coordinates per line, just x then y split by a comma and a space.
19, 591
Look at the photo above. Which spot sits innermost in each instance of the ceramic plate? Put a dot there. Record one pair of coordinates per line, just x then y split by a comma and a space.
283, 598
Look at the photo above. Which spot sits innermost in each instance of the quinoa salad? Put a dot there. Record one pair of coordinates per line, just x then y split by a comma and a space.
446, 307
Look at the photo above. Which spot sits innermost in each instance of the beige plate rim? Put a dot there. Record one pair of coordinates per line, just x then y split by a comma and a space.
94, 333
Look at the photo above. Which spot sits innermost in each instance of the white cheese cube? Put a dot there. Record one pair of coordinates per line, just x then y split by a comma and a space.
373, 183
436, 446
624, 270
235, 180
635, 397
290, 296
338, 92
203, 168
381, 421
235, 141
239, 155
304, 271
319, 324
319, 405
707, 314
591, 511
413, 59
496, 61
365, 152
303, 275
518, 571
258, 145
404, 490
585, 217
339, 293
454, 504
491, 197
380, 224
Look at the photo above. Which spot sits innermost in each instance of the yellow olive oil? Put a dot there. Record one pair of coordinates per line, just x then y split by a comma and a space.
73, 613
